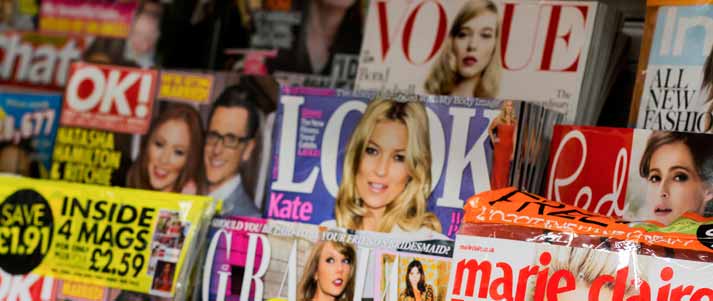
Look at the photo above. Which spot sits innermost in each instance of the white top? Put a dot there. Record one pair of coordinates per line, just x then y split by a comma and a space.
224, 191
424, 233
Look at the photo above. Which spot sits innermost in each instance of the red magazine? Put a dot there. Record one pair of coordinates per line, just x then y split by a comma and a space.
631, 173
109, 98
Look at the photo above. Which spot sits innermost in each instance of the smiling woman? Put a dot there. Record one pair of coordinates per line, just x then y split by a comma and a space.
171, 155
386, 177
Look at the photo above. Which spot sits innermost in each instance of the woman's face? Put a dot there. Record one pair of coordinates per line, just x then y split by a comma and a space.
167, 270
167, 154
507, 107
673, 185
474, 44
333, 273
414, 276
383, 172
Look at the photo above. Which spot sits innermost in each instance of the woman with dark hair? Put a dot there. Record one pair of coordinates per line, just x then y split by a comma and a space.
416, 287
171, 154
678, 169
330, 27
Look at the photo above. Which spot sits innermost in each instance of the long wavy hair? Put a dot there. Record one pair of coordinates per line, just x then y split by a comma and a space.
444, 77
138, 176
308, 284
409, 209
507, 117
421, 285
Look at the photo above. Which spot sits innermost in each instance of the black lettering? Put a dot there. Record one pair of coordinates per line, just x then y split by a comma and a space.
87, 234
107, 236
146, 217
141, 238
123, 218
124, 237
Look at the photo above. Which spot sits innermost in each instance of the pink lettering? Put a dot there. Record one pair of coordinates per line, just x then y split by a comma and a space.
296, 209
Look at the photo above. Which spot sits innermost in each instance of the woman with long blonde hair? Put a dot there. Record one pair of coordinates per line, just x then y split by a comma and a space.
503, 134
386, 177
469, 63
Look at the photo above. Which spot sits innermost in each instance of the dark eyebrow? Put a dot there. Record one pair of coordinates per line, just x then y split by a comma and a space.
680, 167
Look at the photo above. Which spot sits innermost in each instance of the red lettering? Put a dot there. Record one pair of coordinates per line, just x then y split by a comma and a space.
541, 282
681, 291
522, 278
508, 16
551, 37
553, 285
440, 32
384, 28
472, 267
666, 275
703, 293
597, 285
505, 281
644, 293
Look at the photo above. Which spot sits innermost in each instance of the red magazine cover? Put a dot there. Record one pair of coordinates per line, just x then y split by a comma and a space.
38, 60
109, 98
632, 173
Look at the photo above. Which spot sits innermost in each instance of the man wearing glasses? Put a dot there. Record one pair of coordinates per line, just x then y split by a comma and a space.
232, 127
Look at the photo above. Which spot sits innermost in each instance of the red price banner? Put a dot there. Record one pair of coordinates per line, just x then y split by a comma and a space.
109, 98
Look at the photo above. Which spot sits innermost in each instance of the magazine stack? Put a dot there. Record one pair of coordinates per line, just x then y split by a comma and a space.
330, 150
554, 52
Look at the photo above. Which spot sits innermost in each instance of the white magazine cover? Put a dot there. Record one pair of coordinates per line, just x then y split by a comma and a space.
533, 50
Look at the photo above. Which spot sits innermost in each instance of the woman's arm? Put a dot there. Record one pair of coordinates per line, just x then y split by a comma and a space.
491, 128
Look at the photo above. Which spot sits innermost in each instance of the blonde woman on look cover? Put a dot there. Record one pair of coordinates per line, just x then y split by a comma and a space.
469, 63
386, 177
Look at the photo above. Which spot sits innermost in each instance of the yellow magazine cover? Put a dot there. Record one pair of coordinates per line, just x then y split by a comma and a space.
120, 238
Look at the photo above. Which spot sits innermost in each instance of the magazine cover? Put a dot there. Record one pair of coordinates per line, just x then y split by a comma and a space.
564, 253
338, 157
28, 126
19, 15
257, 259
125, 239
83, 17
632, 173
189, 132
312, 44
673, 86
28, 287
38, 60
505, 49
103, 107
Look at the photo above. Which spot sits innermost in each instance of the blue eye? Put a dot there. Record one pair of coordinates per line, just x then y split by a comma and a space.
371, 150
